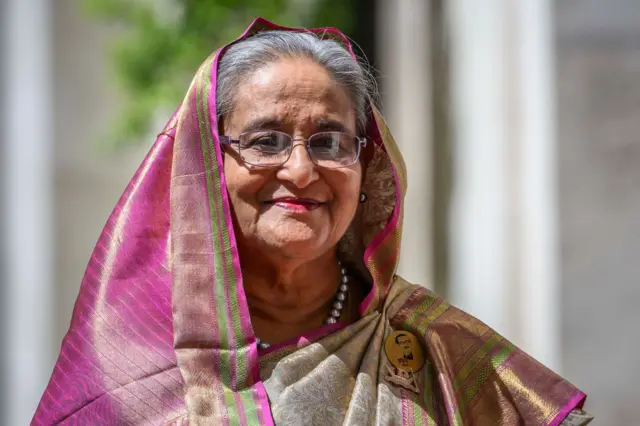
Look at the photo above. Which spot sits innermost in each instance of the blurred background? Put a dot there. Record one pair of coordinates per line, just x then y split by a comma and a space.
519, 122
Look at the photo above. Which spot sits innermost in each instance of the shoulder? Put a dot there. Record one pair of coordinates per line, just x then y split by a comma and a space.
404, 297
410, 305
465, 353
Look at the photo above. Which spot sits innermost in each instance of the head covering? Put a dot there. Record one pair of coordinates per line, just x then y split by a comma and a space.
161, 332
162, 294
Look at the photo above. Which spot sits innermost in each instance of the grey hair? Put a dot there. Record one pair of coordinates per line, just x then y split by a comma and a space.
247, 56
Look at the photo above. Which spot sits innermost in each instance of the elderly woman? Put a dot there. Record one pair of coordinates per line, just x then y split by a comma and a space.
246, 276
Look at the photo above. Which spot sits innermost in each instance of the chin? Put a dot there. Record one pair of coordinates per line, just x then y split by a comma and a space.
296, 251
296, 245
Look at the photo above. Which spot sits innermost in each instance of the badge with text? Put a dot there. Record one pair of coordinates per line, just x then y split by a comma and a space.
405, 353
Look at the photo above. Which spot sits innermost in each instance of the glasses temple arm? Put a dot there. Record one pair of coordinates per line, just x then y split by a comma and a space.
227, 140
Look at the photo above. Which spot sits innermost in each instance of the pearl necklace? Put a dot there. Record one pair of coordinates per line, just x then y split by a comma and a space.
338, 304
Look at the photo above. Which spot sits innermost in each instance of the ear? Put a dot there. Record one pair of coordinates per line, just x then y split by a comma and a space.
365, 158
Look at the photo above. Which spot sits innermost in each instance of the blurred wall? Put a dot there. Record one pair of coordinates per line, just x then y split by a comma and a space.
598, 75
58, 185
88, 178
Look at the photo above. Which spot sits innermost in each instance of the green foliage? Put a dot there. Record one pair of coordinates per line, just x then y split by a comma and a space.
164, 41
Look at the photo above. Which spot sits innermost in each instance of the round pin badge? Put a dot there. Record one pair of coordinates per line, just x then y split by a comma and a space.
404, 351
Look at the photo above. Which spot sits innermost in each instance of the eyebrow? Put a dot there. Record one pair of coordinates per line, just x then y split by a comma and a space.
272, 123
263, 123
329, 125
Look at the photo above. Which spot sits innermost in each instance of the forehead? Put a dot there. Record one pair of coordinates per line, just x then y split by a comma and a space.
297, 93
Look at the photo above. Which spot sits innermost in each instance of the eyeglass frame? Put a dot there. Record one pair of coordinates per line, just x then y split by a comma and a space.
362, 143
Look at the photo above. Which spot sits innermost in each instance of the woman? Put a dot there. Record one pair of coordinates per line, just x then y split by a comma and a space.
247, 274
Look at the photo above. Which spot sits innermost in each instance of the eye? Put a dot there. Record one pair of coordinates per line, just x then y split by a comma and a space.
325, 144
324, 141
265, 142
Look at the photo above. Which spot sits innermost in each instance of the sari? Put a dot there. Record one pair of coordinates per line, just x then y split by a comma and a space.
161, 332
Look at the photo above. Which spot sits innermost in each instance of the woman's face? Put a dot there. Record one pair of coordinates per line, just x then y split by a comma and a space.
297, 210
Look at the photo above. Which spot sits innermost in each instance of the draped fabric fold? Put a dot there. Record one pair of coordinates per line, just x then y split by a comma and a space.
161, 332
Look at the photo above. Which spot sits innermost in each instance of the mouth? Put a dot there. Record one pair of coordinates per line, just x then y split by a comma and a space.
296, 204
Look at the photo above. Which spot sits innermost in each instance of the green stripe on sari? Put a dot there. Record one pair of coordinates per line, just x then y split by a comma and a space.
212, 186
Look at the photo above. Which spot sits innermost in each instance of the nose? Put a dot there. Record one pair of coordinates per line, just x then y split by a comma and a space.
299, 169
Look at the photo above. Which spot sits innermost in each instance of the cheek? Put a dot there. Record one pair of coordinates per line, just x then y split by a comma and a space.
241, 184
231, 175
346, 188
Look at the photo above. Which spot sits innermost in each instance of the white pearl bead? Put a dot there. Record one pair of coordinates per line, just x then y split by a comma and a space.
338, 305
331, 320
341, 297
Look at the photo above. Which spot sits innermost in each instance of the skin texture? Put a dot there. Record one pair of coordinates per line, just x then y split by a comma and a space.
292, 275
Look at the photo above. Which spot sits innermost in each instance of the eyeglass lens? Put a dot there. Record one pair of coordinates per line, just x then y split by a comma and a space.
271, 148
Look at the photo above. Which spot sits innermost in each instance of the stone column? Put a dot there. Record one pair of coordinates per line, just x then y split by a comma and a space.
27, 188
404, 58
503, 221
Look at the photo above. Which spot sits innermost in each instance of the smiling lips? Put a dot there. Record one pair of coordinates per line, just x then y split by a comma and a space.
296, 204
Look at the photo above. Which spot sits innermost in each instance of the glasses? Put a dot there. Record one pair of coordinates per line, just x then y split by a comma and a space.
269, 148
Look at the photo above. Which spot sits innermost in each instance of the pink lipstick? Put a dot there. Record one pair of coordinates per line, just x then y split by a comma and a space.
296, 204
